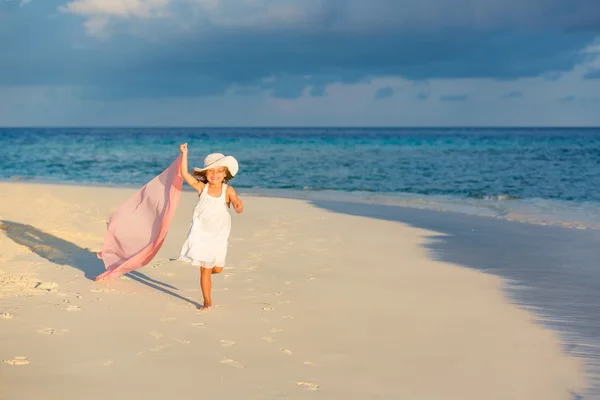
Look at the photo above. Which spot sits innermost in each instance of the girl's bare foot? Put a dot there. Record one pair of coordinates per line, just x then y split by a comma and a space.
206, 306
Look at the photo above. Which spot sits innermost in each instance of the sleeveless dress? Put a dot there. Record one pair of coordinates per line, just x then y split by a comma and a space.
208, 236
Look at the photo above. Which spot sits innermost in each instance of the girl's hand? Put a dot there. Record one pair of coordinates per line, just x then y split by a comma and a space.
183, 148
238, 204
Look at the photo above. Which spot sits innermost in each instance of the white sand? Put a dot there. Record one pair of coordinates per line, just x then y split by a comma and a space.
312, 304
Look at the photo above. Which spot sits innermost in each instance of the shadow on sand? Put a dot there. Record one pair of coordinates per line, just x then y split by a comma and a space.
62, 252
551, 268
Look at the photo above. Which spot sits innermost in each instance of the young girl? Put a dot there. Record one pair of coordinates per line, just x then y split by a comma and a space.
206, 243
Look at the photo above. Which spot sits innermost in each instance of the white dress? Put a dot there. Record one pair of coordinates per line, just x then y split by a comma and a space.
207, 240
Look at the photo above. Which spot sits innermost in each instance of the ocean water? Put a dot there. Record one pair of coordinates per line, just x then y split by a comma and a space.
544, 176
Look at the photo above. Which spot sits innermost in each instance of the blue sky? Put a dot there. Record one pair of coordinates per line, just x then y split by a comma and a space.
299, 62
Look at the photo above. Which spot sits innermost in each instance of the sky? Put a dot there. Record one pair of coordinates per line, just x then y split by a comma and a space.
299, 63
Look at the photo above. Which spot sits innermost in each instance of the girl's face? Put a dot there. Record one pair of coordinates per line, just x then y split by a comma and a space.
216, 175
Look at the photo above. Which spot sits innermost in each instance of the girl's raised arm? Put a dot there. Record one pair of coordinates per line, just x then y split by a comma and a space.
193, 182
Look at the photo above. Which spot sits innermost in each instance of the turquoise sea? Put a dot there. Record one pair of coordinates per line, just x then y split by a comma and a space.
546, 176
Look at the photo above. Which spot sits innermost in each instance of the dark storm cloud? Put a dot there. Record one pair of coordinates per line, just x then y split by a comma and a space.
342, 41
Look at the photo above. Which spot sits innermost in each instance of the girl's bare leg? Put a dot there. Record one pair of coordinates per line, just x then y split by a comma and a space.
206, 285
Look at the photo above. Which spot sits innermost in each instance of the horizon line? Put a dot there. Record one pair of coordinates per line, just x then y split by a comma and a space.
299, 127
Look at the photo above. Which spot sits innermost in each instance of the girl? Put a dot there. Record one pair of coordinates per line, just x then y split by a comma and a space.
206, 243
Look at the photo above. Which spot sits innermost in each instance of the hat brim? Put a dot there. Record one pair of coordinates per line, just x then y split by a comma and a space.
227, 161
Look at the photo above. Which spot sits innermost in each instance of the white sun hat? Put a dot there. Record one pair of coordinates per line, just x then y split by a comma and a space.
216, 160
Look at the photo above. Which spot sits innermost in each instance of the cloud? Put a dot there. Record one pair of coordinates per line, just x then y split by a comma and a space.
384, 92
513, 94
423, 96
193, 64
117, 8
6, 5
454, 97
318, 91
567, 99
358, 15
100, 12
592, 74
345, 105
189, 48
290, 88
228, 14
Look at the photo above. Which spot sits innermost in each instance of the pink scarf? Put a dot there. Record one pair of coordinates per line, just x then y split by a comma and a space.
137, 229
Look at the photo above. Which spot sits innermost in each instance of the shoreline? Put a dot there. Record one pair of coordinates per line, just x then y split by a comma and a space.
548, 270
498, 209
295, 274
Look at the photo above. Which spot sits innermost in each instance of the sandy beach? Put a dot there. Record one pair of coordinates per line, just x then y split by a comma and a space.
311, 304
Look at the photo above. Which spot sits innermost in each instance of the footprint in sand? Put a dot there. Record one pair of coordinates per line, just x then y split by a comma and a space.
232, 363
308, 385
73, 308
277, 293
100, 290
159, 348
49, 286
156, 335
227, 343
17, 361
267, 308
52, 331
6, 315
286, 302
199, 324
267, 339
108, 363
275, 330
309, 363
286, 351
287, 317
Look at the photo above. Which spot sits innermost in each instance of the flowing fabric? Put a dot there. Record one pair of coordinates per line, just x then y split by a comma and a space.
137, 229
